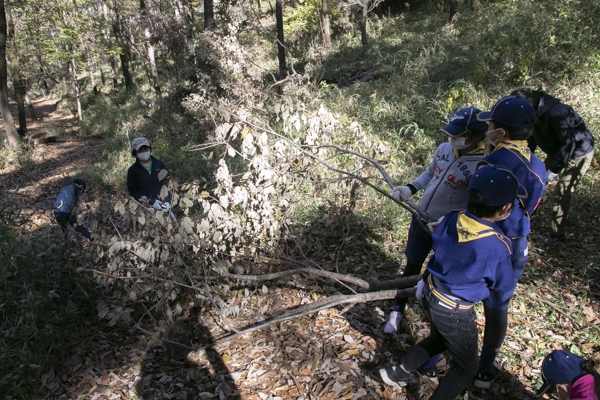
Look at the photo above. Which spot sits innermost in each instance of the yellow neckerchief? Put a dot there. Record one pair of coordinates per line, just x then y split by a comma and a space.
519, 146
469, 229
479, 149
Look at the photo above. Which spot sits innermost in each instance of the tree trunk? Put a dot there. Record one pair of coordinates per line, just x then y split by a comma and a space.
18, 83
326, 27
209, 15
363, 24
75, 86
90, 65
280, 42
453, 9
154, 82
124, 54
9, 126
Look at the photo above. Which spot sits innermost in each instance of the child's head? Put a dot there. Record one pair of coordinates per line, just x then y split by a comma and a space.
492, 191
512, 117
464, 130
533, 96
561, 369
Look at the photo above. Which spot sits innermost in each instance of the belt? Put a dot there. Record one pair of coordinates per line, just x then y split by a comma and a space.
446, 300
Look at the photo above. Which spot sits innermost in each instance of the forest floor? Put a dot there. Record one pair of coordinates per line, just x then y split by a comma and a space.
334, 354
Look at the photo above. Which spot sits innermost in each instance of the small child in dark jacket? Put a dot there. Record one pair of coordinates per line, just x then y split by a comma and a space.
472, 258
65, 203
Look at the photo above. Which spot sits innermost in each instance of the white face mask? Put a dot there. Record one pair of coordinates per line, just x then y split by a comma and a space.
144, 156
506, 216
459, 143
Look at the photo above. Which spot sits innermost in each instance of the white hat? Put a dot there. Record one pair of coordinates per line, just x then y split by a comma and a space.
137, 143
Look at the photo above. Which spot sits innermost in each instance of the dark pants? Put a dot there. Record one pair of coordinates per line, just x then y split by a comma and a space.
496, 308
453, 331
64, 220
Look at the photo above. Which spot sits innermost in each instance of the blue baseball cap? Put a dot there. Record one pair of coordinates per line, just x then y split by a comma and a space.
513, 111
560, 367
464, 120
497, 183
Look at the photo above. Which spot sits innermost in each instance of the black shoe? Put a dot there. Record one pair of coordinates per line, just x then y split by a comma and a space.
556, 238
484, 379
394, 376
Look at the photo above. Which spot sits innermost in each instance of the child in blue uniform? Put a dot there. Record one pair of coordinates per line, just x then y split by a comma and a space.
472, 258
65, 203
511, 122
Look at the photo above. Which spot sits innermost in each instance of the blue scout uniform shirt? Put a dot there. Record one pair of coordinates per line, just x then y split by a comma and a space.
66, 199
471, 257
531, 173
141, 182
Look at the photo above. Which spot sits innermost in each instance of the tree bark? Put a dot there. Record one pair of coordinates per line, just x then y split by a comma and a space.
453, 9
124, 55
326, 27
9, 126
75, 86
363, 24
30, 106
18, 83
280, 42
209, 15
154, 82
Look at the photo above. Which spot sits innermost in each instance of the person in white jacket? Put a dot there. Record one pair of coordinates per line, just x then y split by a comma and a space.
445, 185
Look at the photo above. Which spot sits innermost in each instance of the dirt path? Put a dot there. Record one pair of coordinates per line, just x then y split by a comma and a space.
35, 178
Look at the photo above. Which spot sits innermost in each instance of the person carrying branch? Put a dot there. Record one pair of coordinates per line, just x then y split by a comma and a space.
510, 122
64, 207
145, 178
569, 146
445, 188
471, 259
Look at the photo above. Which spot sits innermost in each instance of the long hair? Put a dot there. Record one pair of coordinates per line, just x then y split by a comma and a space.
533, 96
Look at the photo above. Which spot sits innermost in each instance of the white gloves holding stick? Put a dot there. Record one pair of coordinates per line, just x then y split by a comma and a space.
401, 191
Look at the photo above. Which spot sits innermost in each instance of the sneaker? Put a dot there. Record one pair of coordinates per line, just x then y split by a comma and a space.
431, 376
484, 379
394, 376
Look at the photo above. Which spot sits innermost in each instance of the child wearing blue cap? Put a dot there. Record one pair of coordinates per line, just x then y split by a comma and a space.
65, 203
573, 377
472, 258
511, 122
445, 188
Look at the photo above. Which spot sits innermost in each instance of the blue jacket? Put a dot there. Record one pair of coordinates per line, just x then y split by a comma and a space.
67, 199
141, 183
531, 173
471, 257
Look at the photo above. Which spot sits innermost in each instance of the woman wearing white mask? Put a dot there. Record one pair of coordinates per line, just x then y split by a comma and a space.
143, 182
445, 185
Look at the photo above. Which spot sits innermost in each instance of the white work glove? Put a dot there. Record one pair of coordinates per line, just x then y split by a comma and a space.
551, 176
158, 205
401, 190
419, 292
434, 224
166, 207
393, 322
143, 199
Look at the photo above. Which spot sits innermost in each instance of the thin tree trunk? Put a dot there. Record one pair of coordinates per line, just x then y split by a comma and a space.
9, 126
453, 9
280, 42
150, 49
75, 86
124, 54
90, 65
209, 15
363, 24
326, 27
18, 84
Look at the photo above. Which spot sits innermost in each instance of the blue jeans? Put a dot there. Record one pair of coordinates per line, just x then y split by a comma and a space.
454, 331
